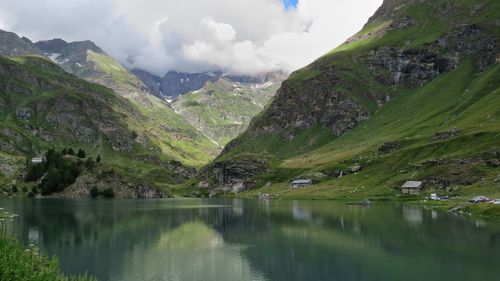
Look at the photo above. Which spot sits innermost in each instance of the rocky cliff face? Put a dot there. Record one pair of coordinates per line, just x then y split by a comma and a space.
294, 108
235, 175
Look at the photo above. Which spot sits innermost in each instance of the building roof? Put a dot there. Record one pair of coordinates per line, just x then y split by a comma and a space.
412, 184
301, 181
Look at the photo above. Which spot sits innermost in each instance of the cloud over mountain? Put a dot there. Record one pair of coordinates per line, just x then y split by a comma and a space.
236, 36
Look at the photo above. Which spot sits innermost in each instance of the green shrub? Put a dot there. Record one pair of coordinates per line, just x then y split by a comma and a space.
89, 164
35, 172
81, 154
17, 263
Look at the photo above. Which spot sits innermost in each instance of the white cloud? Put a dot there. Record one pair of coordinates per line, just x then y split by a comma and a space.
238, 36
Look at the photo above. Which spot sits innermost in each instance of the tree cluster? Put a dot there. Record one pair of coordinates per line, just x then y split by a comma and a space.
57, 171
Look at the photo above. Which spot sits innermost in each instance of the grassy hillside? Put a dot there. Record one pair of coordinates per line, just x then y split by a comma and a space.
413, 96
223, 109
170, 132
165, 128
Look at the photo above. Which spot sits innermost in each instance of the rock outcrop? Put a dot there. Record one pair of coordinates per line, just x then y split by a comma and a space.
235, 175
122, 187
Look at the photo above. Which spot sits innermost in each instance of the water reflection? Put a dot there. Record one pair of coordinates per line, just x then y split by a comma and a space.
413, 215
257, 240
192, 251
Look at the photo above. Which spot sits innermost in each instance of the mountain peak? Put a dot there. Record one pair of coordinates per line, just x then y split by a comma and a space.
60, 46
52, 46
13, 45
87, 45
388, 8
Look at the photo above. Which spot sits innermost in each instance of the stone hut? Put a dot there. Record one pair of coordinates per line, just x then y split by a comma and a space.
412, 187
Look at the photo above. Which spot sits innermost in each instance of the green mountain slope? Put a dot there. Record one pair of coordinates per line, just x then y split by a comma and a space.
42, 107
223, 109
178, 140
413, 96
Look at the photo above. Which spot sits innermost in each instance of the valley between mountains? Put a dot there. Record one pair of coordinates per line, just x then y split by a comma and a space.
414, 95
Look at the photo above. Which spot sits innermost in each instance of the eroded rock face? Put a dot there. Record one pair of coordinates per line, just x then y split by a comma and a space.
414, 67
317, 100
121, 186
234, 175
472, 40
182, 171
418, 66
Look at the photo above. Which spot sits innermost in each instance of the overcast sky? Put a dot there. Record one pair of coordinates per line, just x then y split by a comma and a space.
235, 36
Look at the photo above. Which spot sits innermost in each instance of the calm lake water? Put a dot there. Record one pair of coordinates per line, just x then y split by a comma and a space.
239, 240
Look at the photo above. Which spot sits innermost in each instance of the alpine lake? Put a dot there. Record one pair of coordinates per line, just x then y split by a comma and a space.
240, 240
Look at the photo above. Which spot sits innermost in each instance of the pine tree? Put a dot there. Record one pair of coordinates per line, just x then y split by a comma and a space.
98, 160
71, 152
64, 151
81, 154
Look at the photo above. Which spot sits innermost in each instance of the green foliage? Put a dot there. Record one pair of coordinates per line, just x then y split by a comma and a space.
58, 171
35, 172
89, 164
81, 153
19, 264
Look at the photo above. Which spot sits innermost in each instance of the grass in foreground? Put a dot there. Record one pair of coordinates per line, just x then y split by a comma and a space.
17, 263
